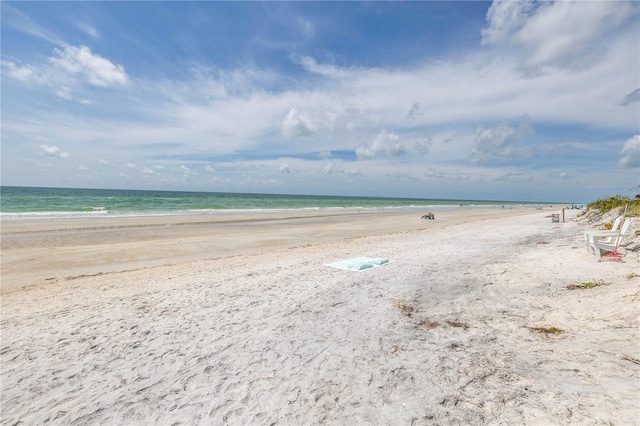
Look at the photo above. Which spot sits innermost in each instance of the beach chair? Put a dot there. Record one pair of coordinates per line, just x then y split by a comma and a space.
610, 241
588, 235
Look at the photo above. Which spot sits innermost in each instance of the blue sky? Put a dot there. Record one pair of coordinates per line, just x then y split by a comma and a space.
536, 101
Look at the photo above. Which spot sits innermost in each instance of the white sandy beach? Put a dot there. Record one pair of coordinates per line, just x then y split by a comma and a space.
237, 321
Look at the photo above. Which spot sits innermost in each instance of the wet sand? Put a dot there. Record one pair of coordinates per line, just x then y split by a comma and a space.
37, 251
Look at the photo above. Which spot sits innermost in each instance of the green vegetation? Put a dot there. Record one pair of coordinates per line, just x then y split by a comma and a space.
546, 330
632, 276
586, 285
605, 205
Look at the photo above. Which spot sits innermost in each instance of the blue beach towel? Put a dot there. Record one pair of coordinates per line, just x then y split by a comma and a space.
359, 263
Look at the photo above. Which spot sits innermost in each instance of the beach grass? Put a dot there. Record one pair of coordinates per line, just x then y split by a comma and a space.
547, 330
586, 285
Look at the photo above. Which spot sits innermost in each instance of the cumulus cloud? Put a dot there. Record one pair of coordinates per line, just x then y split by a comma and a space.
97, 70
131, 165
53, 151
296, 125
210, 168
505, 18
69, 69
385, 144
557, 33
147, 171
284, 168
500, 142
630, 154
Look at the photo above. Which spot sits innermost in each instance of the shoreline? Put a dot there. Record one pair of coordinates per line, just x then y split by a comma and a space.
35, 252
26, 217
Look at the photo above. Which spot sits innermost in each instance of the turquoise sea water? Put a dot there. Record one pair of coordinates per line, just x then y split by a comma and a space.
26, 202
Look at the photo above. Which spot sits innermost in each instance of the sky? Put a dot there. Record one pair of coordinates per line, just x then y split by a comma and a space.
514, 101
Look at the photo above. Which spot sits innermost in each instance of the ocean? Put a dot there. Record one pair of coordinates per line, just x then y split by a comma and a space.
46, 203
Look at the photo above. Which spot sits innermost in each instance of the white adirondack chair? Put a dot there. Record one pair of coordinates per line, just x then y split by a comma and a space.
610, 242
588, 235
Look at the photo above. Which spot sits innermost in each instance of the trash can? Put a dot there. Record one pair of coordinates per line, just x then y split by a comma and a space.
555, 218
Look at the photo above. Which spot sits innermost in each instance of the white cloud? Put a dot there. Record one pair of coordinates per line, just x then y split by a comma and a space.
305, 26
53, 151
353, 171
284, 168
22, 73
82, 168
68, 71
504, 18
296, 125
131, 165
22, 22
385, 144
560, 33
630, 154
514, 176
331, 71
97, 70
500, 142
64, 93
88, 29
147, 171
219, 115
433, 173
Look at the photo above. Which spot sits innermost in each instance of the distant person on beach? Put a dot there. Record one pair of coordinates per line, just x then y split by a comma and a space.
428, 216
